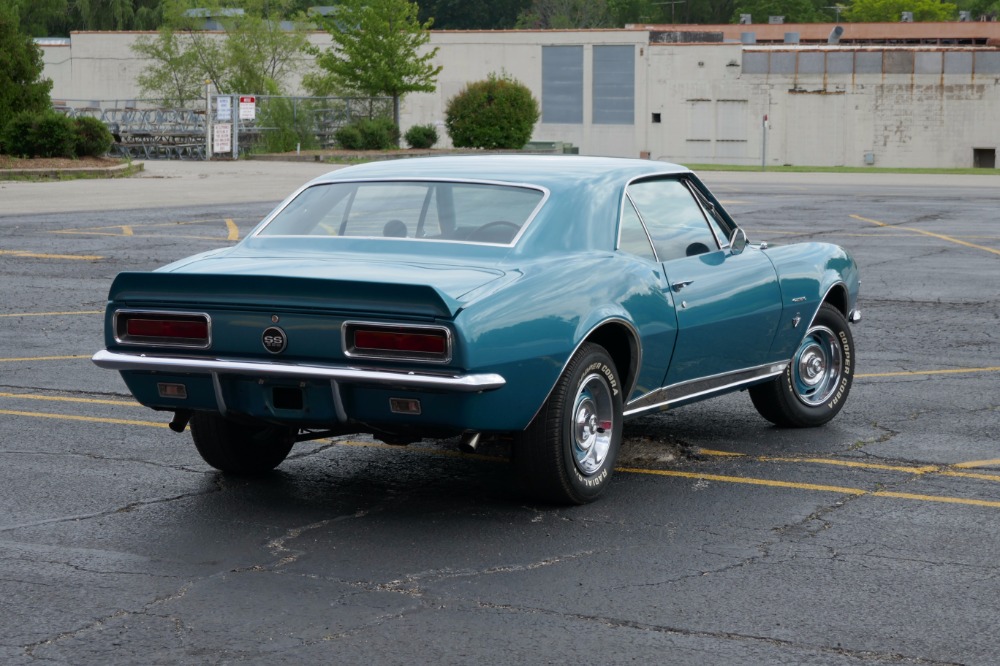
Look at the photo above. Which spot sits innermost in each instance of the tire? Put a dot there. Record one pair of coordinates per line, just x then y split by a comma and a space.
239, 448
568, 452
817, 381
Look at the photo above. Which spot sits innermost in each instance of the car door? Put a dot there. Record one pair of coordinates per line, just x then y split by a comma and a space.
728, 304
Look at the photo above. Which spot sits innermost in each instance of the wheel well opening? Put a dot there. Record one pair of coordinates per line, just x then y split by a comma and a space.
621, 345
838, 299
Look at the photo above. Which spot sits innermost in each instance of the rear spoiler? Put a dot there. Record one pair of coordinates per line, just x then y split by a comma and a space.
203, 290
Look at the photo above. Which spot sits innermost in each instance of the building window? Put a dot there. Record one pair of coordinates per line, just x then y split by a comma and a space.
562, 84
614, 85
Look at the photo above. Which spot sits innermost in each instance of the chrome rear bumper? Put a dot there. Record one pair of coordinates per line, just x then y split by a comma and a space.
364, 376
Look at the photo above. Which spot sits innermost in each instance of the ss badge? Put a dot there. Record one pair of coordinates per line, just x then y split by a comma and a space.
274, 340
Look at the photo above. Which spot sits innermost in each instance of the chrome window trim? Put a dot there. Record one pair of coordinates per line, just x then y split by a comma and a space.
666, 396
621, 220
122, 340
546, 193
351, 352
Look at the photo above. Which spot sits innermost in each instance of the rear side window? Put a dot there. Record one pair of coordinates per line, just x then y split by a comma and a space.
675, 221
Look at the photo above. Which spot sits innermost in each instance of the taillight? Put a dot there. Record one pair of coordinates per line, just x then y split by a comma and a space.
416, 343
171, 329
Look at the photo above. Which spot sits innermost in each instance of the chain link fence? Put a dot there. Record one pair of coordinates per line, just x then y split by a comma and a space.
145, 129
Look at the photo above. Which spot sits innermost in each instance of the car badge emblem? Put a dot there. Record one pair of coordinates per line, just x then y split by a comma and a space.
274, 340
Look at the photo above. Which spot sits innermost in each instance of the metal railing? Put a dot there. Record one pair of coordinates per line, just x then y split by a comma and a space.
145, 129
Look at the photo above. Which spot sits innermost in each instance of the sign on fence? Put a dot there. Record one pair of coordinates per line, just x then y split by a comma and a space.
223, 108
248, 108
222, 139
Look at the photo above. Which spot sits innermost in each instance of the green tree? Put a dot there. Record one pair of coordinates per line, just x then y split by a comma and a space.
566, 15
43, 18
254, 55
473, 14
174, 73
22, 88
794, 11
377, 51
866, 11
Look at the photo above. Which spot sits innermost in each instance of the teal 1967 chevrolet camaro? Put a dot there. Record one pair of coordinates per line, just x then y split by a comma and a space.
547, 298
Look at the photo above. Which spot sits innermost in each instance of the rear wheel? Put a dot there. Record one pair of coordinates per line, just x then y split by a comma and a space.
815, 385
568, 452
240, 448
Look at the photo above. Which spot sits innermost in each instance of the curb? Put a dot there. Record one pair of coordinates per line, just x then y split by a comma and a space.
85, 172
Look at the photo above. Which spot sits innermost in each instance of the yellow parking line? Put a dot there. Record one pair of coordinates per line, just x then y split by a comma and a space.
842, 490
935, 498
234, 231
53, 398
44, 358
40, 255
978, 463
88, 419
746, 480
51, 314
857, 492
925, 469
950, 239
910, 373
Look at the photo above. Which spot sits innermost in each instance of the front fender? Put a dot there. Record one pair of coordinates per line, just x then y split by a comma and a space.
808, 275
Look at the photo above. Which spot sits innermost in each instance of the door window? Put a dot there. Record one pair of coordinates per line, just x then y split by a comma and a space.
673, 218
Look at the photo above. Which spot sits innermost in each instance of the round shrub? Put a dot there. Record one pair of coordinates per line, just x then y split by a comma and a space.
93, 138
54, 135
368, 134
348, 137
47, 134
499, 112
421, 136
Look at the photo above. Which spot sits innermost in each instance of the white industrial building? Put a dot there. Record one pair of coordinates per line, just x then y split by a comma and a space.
741, 94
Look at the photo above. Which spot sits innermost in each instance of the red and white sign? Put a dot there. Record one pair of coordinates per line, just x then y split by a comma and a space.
248, 108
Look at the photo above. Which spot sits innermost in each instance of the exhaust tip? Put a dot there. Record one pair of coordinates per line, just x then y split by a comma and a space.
470, 440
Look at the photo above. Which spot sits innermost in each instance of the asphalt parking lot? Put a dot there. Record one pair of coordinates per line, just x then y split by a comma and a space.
722, 540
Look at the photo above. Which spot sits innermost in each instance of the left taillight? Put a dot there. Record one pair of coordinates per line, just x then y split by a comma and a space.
167, 329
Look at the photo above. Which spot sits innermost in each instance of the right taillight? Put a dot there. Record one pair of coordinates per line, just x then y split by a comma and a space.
414, 343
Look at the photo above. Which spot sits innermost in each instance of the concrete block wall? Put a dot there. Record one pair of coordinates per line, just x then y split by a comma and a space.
826, 106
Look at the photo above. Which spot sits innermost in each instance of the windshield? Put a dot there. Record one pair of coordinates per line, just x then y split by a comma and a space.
430, 210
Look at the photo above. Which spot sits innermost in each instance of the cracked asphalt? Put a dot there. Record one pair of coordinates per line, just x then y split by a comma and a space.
722, 540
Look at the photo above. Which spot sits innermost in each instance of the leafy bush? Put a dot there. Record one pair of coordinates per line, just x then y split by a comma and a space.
368, 134
47, 134
288, 127
93, 138
499, 112
348, 137
421, 136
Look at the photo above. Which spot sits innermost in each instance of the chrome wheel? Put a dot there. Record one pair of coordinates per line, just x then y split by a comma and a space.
593, 411
817, 366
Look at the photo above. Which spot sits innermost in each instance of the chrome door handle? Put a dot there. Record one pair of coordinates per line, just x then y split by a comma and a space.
677, 286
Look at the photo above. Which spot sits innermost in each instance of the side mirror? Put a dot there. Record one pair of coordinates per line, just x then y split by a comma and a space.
738, 242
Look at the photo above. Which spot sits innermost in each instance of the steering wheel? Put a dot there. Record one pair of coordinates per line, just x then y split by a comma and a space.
497, 231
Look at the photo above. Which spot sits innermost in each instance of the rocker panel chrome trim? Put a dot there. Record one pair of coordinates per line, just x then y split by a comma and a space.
695, 388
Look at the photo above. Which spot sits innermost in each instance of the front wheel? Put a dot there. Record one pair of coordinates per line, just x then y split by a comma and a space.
815, 385
240, 448
567, 454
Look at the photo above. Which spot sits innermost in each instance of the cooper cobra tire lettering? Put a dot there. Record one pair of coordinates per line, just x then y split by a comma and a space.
817, 381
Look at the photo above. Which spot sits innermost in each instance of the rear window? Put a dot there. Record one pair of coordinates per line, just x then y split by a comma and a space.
447, 211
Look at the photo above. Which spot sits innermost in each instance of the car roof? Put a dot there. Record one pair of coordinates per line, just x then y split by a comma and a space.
555, 172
